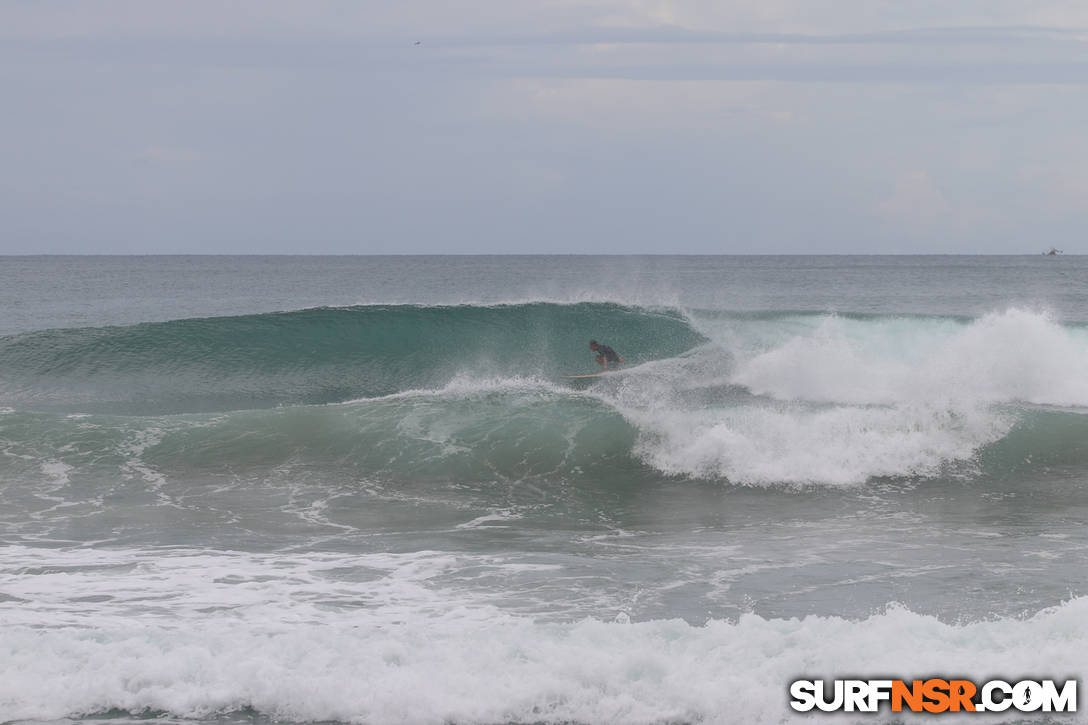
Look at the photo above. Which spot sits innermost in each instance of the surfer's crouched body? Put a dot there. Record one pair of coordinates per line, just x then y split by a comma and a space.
606, 357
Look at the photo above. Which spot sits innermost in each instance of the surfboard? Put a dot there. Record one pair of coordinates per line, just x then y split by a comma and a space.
583, 377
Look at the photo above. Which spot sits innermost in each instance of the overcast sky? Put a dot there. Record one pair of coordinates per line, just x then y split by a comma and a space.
535, 126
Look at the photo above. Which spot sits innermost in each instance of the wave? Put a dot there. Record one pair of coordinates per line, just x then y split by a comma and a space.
391, 638
317, 355
768, 400
1015, 355
525, 430
847, 399
503, 429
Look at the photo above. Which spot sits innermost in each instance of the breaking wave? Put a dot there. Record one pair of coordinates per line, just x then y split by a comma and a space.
757, 400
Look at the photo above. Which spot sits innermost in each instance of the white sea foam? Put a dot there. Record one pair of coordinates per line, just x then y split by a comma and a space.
371, 639
56, 474
494, 519
839, 446
468, 385
1016, 355
844, 400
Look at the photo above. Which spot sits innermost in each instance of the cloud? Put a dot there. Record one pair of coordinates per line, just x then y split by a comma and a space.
773, 20
978, 57
630, 104
525, 125
854, 16
915, 200
168, 155
919, 209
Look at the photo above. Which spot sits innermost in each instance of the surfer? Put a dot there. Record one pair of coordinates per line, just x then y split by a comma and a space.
605, 355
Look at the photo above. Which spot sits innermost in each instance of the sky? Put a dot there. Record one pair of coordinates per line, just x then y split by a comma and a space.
543, 126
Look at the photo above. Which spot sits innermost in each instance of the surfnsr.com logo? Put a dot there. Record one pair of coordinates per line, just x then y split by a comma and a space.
935, 695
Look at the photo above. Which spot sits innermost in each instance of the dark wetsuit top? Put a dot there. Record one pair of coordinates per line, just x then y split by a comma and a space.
607, 353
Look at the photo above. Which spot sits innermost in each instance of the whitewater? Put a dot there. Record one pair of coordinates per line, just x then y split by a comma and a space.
360, 490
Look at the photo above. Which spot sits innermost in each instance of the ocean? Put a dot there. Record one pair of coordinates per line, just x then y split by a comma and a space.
361, 490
